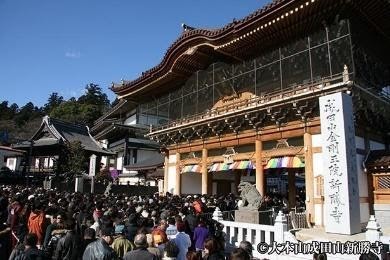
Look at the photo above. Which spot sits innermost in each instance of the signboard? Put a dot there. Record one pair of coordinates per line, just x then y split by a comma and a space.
92, 165
341, 189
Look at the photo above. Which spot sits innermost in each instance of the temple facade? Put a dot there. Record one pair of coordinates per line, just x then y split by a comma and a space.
295, 89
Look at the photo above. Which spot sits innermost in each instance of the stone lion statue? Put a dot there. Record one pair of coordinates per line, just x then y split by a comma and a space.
250, 196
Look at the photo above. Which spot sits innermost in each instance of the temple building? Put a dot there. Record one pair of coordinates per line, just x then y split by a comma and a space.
298, 88
136, 159
44, 148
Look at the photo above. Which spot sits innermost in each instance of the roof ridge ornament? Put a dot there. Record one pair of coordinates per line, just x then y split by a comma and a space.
187, 27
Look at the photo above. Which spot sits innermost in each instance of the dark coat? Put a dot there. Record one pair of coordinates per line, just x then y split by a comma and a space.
99, 250
68, 247
139, 254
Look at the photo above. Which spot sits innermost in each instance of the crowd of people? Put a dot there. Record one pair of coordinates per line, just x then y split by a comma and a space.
48, 224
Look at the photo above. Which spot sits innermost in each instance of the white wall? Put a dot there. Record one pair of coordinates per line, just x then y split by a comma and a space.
171, 173
119, 161
191, 183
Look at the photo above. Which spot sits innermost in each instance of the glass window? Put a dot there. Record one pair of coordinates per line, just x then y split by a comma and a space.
177, 93
318, 37
175, 109
152, 104
189, 104
340, 55
296, 69
268, 79
245, 82
143, 107
163, 114
222, 72
205, 99
163, 99
205, 77
243, 67
338, 30
294, 47
320, 62
143, 119
267, 58
191, 85
152, 116
225, 88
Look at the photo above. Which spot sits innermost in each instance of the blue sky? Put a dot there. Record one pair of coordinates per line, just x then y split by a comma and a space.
59, 46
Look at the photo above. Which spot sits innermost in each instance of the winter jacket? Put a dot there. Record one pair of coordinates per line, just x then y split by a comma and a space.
68, 247
36, 225
99, 250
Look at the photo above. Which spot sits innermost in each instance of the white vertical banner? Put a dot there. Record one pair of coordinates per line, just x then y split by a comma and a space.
92, 165
342, 205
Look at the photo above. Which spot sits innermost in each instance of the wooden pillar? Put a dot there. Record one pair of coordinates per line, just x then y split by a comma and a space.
291, 189
178, 175
309, 177
205, 182
260, 181
166, 168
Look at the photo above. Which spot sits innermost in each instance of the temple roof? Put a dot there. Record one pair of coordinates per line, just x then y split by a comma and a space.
54, 131
269, 26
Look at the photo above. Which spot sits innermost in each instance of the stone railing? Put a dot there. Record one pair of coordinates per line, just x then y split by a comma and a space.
253, 233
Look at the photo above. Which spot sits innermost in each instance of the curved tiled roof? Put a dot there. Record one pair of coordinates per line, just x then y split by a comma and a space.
258, 28
207, 35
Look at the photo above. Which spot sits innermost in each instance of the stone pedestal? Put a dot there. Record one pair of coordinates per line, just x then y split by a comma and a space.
247, 216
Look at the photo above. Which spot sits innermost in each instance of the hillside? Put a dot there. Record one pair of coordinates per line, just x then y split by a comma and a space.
16, 133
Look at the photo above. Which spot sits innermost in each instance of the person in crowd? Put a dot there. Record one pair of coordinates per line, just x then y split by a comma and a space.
131, 227
194, 255
68, 247
239, 254
37, 222
89, 237
171, 251
56, 223
171, 230
201, 233
212, 250
182, 241
247, 246
121, 244
100, 249
159, 235
153, 248
28, 250
140, 252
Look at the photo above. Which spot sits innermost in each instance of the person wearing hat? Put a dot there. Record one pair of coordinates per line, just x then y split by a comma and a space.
100, 249
121, 244
141, 252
